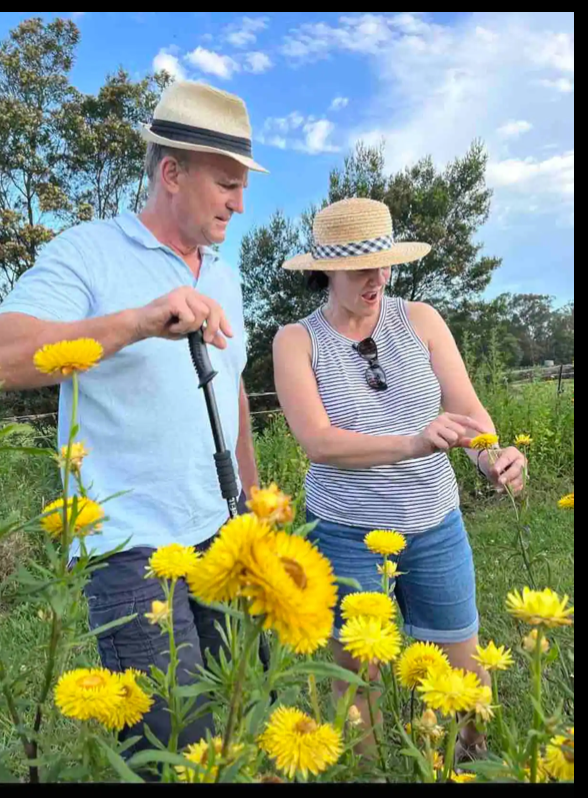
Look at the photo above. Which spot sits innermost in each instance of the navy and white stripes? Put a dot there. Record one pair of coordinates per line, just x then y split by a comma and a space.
414, 495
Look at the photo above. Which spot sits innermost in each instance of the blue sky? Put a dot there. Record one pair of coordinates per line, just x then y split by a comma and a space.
426, 82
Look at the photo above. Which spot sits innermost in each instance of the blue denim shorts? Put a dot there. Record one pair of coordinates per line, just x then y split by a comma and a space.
436, 595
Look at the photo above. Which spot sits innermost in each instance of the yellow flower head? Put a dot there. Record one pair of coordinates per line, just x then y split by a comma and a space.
354, 717
271, 505
173, 562
160, 613
208, 757
68, 357
524, 441
464, 778
451, 691
221, 573
89, 517
390, 569
293, 585
544, 608
368, 605
371, 640
438, 761
559, 759
89, 695
78, 455
568, 502
299, 746
493, 658
387, 544
484, 442
483, 708
428, 727
416, 662
134, 706
531, 642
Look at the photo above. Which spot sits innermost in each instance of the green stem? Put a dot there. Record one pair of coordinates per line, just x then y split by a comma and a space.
386, 577
505, 743
13, 712
173, 675
538, 696
450, 750
314, 698
373, 723
67, 521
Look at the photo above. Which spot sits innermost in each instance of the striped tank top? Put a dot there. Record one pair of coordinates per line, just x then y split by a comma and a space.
414, 495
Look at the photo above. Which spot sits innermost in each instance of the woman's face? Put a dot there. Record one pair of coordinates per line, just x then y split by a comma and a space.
359, 293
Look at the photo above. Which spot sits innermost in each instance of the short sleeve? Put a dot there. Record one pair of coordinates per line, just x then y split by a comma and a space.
57, 288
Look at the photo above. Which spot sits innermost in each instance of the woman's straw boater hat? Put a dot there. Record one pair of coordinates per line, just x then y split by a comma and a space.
193, 116
353, 235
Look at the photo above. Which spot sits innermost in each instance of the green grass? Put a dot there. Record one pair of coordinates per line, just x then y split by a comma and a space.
25, 484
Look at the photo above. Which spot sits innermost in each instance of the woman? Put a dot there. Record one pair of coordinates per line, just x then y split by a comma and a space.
361, 382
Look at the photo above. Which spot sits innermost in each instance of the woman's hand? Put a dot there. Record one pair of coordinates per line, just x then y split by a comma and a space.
506, 469
449, 431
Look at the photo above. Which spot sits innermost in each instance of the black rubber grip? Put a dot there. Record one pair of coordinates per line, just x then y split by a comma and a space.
226, 475
201, 358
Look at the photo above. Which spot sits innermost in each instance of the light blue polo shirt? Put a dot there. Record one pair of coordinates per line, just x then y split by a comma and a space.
141, 413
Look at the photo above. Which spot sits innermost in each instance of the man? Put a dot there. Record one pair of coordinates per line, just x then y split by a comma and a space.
139, 285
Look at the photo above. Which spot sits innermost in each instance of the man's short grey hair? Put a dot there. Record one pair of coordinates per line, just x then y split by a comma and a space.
156, 154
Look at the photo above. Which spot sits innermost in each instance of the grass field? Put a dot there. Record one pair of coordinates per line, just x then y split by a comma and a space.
25, 484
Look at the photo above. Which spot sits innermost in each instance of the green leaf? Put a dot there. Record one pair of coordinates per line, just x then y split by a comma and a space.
347, 582
144, 758
325, 670
119, 765
8, 525
193, 690
102, 629
6, 777
6, 431
304, 531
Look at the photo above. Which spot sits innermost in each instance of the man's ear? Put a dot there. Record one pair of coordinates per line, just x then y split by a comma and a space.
170, 171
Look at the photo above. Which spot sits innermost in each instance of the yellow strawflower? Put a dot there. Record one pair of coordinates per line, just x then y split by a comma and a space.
68, 357
134, 706
493, 658
354, 717
271, 505
89, 695
484, 442
173, 562
390, 569
464, 778
483, 705
428, 727
451, 691
369, 605
531, 642
299, 746
543, 608
291, 584
89, 517
568, 502
559, 759
208, 757
371, 640
78, 455
160, 613
416, 662
222, 572
524, 441
387, 544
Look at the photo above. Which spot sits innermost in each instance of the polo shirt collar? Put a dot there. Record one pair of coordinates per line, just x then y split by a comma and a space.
134, 229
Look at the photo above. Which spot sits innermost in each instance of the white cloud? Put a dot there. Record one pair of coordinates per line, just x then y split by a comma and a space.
562, 85
245, 33
166, 61
554, 176
258, 63
314, 41
222, 66
555, 50
78, 14
298, 132
339, 103
514, 129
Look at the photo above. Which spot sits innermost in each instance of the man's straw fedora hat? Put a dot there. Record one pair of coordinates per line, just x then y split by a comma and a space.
193, 116
356, 234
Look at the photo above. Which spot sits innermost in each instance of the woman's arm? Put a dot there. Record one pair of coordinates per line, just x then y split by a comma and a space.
325, 444
459, 395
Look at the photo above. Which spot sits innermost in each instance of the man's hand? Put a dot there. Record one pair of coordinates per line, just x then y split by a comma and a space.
182, 312
508, 472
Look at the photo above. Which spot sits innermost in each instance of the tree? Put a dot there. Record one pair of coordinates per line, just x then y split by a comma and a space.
35, 63
443, 208
273, 296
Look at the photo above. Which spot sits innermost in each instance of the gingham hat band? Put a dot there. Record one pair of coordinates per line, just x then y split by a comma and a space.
353, 250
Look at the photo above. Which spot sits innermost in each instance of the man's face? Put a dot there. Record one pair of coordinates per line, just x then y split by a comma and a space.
209, 191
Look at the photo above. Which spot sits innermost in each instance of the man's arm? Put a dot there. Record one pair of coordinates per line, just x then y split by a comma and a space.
246, 459
171, 317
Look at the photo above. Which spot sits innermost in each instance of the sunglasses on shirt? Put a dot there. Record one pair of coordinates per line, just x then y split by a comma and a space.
375, 375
